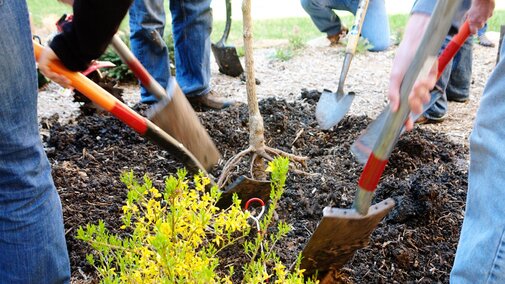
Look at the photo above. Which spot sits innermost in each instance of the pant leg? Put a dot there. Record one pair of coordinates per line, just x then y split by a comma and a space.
482, 30
376, 25
480, 257
458, 88
192, 25
321, 13
32, 240
439, 109
147, 24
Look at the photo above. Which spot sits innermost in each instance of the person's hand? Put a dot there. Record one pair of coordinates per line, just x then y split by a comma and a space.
45, 58
479, 12
419, 96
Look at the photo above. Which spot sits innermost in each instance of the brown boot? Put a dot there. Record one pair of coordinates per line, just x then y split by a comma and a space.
334, 39
211, 100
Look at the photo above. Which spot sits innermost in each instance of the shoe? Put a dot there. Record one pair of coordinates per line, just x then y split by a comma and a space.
424, 120
211, 100
458, 99
485, 41
334, 39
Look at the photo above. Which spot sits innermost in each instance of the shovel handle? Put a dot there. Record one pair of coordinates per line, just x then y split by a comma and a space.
355, 31
138, 69
424, 58
108, 102
453, 47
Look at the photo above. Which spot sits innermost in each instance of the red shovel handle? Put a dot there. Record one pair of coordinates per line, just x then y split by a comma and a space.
453, 47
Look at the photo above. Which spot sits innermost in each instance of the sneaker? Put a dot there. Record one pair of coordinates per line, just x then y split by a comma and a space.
211, 100
485, 41
334, 39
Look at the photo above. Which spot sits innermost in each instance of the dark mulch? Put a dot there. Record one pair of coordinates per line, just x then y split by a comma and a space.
427, 177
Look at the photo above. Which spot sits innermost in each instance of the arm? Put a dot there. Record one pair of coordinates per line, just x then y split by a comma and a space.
476, 15
86, 37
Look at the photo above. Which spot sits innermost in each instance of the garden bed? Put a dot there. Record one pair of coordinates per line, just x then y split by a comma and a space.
426, 176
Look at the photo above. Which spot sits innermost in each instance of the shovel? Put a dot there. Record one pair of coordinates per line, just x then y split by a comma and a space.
226, 55
177, 117
332, 107
173, 113
362, 147
342, 231
140, 124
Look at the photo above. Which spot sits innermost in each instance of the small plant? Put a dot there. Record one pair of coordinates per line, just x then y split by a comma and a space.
171, 237
175, 236
282, 54
363, 45
261, 250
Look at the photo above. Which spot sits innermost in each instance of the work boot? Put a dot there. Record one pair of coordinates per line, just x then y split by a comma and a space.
334, 39
485, 41
211, 100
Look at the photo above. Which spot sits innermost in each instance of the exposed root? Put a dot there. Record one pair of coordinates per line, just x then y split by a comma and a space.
262, 153
232, 162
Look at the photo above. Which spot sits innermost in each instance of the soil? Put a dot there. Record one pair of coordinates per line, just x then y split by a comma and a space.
426, 175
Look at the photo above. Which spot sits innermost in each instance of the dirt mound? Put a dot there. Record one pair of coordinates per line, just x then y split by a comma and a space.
426, 176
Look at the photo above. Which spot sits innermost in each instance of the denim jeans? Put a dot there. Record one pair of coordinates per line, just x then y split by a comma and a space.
375, 27
480, 257
191, 27
454, 84
482, 30
32, 240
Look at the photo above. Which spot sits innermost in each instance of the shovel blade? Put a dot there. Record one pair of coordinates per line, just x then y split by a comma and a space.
177, 118
246, 188
339, 234
332, 107
227, 60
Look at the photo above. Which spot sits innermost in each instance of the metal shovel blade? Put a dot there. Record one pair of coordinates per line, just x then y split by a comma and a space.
177, 118
227, 59
339, 234
226, 56
332, 107
246, 188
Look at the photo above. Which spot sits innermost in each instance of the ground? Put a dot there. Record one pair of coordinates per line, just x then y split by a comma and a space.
426, 175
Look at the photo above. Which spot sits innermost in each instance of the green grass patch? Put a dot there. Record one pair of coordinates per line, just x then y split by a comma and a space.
286, 29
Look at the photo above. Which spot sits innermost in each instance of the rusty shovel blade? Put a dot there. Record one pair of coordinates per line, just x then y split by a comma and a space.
245, 188
339, 235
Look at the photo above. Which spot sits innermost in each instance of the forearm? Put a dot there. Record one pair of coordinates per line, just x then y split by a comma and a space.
89, 33
479, 12
413, 34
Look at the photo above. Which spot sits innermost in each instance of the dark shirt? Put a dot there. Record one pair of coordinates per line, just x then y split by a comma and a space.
86, 37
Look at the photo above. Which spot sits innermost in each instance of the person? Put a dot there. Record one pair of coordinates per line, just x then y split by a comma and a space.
482, 39
32, 237
375, 26
453, 85
191, 26
479, 255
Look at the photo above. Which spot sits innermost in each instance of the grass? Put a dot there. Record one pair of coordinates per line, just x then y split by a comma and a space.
271, 29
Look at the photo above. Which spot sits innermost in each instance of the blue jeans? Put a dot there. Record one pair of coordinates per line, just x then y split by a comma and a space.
482, 30
32, 240
375, 27
454, 84
480, 257
191, 27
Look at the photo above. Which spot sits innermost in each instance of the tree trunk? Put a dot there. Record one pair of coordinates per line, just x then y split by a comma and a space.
256, 129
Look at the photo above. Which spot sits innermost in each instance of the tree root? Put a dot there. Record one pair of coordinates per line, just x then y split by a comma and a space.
264, 153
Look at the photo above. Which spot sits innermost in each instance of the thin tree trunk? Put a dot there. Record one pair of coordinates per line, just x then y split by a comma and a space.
256, 129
